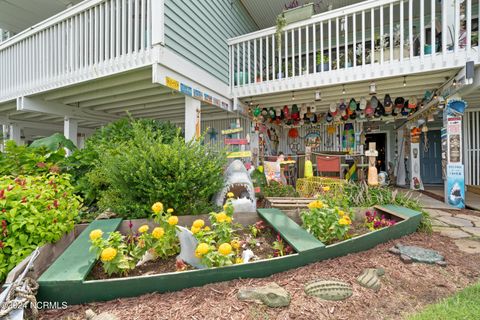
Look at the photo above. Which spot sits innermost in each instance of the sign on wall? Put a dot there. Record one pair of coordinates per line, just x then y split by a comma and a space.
455, 195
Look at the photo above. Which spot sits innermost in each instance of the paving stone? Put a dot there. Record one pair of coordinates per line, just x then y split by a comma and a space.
474, 219
458, 222
437, 213
467, 245
438, 223
453, 233
472, 230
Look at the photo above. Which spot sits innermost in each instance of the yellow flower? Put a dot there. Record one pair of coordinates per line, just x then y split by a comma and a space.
230, 195
260, 168
143, 229
225, 206
317, 204
169, 210
158, 232
228, 219
141, 243
344, 222
341, 213
348, 219
173, 220
194, 230
235, 244
238, 260
157, 207
225, 249
207, 228
221, 217
201, 249
96, 234
199, 223
108, 254
326, 188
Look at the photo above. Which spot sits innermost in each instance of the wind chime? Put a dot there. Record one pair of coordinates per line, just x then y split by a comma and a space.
425, 138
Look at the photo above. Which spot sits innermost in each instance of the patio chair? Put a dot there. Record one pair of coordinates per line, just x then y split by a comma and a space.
329, 164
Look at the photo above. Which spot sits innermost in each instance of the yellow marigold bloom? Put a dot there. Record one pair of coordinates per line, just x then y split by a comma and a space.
173, 220
108, 254
199, 223
158, 232
207, 228
157, 207
228, 219
317, 204
96, 234
194, 230
225, 249
143, 229
348, 219
202, 249
343, 222
235, 244
169, 210
341, 213
238, 260
221, 217
230, 195
326, 188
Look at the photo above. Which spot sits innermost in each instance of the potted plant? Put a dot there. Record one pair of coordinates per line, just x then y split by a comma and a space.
294, 12
319, 62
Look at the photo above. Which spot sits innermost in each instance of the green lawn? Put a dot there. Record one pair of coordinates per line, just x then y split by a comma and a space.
464, 305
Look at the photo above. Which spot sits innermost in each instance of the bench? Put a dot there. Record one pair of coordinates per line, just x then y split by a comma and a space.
76, 261
295, 235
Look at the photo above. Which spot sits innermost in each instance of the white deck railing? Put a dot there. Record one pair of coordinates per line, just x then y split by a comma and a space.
340, 39
91, 39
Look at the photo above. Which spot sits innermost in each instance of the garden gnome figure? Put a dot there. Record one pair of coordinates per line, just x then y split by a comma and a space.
372, 154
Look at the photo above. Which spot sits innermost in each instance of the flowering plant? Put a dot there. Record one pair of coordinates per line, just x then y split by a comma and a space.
163, 239
373, 221
112, 252
326, 223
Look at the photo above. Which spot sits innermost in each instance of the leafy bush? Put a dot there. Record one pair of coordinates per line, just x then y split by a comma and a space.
275, 189
34, 210
23, 160
140, 171
104, 140
326, 223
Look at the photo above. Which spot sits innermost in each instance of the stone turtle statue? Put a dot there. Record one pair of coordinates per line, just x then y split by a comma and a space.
409, 254
271, 295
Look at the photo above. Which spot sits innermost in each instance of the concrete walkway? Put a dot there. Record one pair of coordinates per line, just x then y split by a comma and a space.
463, 228
472, 199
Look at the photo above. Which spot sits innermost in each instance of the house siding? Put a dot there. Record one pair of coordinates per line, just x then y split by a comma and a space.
198, 31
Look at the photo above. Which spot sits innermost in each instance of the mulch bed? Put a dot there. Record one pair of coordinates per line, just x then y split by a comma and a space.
406, 288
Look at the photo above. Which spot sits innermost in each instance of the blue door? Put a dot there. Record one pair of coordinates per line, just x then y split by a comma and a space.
431, 158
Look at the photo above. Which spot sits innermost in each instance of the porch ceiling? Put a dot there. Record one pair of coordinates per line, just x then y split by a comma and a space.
416, 86
18, 15
112, 97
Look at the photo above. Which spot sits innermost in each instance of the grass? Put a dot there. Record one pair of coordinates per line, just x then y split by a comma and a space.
464, 305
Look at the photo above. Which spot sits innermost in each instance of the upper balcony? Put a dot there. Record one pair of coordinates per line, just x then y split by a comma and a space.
369, 40
92, 39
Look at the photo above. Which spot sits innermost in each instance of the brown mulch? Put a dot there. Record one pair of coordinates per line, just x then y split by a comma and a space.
406, 288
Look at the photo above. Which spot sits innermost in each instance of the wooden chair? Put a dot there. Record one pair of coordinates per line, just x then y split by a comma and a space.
330, 164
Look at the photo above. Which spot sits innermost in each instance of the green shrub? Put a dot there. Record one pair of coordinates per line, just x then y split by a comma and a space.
143, 170
275, 189
23, 160
34, 210
104, 140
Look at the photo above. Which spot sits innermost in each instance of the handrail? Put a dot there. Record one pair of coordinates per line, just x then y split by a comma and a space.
61, 16
336, 13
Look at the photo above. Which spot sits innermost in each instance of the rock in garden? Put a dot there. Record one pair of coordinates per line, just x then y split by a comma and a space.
370, 278
329, 290
271, 295
409, 254
107, 214
90, 315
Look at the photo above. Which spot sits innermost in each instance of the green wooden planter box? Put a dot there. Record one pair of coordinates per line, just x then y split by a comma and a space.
299, 13
76, 289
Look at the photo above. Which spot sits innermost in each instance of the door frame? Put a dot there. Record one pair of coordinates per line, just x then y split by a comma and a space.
387, 145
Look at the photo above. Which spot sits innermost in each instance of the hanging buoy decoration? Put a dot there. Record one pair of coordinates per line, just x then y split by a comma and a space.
293, 133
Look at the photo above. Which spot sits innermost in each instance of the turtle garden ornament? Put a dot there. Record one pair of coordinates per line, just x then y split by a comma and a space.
409, 254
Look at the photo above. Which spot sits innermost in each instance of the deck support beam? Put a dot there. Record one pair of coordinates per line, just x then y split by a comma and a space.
70, 131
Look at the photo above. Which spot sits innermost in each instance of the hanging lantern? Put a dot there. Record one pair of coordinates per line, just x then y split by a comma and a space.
293, 133
424, 128
373, 88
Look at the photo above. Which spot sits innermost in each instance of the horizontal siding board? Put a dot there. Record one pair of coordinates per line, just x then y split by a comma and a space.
198, 31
